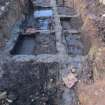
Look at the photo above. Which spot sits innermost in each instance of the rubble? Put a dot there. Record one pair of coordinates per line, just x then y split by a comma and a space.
3, 98
3, 95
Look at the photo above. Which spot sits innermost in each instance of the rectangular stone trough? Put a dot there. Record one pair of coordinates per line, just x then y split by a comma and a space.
71, 23
34, 44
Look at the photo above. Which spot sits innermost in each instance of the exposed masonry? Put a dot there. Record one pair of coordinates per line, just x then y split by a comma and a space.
61, 55
60, 46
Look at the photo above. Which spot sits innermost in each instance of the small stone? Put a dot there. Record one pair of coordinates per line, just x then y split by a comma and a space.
32, 100
73, 70
43, 94
10, 101
103, 15
2, 8
51, 80
7, 3
3, 95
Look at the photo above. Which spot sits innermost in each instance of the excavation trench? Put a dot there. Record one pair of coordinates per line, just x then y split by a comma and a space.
38, 43
40, 82
33, 40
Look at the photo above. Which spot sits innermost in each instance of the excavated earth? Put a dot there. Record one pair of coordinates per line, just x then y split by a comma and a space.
52, 52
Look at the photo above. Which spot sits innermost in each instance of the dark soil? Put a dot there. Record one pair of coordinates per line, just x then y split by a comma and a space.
30, 83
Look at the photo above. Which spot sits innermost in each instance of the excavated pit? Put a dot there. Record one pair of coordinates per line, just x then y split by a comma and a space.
30, 83
64, 10
74, 44
33, 40
35, 81
38, 43
71, 23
